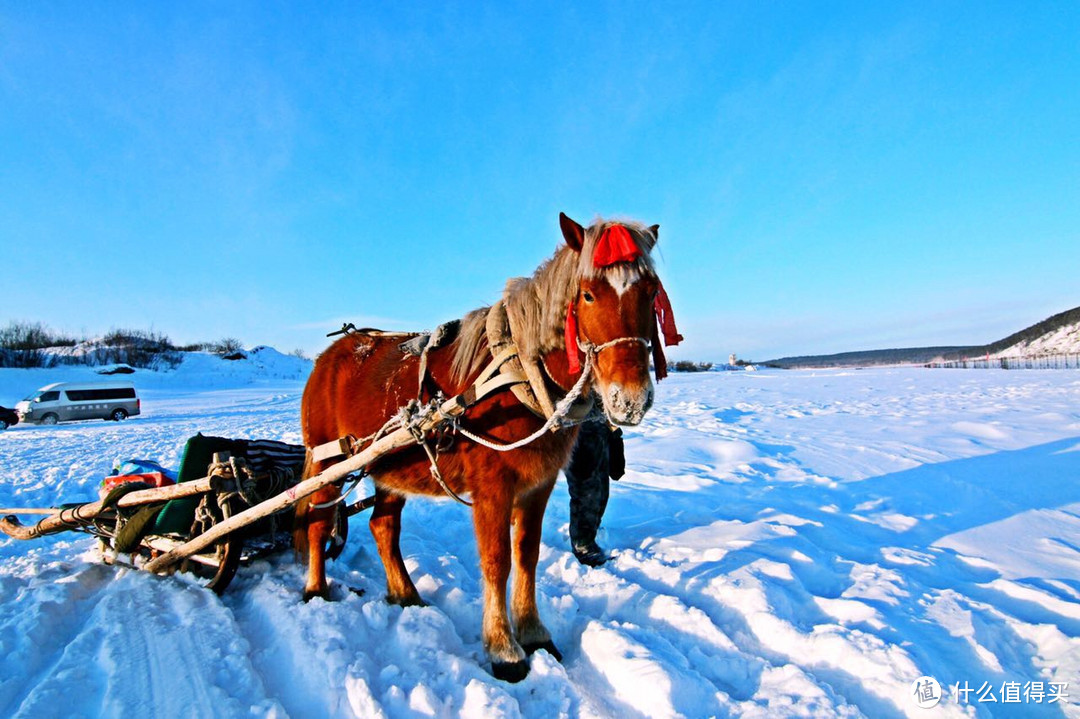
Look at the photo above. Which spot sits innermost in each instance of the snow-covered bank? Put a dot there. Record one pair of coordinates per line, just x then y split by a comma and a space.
197, 371
786, 543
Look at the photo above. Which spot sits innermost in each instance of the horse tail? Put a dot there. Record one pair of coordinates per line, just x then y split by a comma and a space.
300, 519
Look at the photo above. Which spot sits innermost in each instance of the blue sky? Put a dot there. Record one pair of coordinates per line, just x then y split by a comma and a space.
827, 176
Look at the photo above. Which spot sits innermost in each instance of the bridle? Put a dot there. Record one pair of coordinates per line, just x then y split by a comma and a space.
594, 350
575, 340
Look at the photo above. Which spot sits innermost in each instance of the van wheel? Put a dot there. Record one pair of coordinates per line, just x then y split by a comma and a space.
50, 418
118, 415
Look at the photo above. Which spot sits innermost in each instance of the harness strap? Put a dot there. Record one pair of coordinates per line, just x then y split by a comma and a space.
505, 370
507, 353
479, 391
422, 372
489, 381
561, 411
500, 338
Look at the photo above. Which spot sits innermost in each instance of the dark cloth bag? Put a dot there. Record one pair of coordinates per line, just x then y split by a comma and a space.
616, 455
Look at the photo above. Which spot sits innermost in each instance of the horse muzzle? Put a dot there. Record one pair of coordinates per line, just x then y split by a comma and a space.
627, 406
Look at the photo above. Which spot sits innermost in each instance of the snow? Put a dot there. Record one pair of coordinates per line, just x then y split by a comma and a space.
785, 544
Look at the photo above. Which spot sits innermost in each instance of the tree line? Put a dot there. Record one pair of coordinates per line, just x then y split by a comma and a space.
33, 344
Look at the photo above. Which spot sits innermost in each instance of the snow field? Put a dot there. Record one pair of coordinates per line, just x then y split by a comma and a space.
785, 544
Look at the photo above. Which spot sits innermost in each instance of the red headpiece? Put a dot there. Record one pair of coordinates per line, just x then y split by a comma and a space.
615, 245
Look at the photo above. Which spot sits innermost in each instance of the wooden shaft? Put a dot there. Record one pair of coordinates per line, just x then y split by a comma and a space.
358, 507
397, 439
60, 520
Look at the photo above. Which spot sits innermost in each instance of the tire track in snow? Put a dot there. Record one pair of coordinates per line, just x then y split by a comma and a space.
156, 648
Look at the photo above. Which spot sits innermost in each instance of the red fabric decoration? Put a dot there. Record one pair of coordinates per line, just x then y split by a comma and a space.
615, 245
665, 318
571, 340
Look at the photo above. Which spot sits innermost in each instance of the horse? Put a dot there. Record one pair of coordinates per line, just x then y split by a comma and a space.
597, 300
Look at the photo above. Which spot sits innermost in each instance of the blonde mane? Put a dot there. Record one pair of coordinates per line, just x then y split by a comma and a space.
537, 305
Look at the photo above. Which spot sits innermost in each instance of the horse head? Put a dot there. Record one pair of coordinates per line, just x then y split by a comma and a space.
617, 313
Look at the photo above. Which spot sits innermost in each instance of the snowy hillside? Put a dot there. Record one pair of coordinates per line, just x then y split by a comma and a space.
1055, 336
786, 543
1058, 341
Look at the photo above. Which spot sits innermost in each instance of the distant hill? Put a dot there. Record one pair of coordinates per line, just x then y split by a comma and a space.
1059, 334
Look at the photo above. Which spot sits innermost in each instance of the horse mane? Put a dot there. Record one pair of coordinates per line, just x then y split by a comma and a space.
537, 305
470, 347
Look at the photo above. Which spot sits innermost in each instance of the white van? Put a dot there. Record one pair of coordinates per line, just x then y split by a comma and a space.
69, 401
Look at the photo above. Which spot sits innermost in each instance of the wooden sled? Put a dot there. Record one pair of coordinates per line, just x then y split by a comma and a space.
242, 511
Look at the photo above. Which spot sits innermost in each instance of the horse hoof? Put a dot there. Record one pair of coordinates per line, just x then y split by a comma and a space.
310, 594
512, 672
548, 645
415, 601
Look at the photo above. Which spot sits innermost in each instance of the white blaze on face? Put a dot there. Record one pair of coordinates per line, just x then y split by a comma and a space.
622, 277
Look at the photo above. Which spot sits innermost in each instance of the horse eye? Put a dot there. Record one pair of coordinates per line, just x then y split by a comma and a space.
587, 296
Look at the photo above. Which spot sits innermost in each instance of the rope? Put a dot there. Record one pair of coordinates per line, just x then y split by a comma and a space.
72, 519
591, 349
433, 458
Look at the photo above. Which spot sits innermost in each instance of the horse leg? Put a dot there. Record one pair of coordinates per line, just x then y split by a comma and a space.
319, 524
385, 525
529, 519
491, 519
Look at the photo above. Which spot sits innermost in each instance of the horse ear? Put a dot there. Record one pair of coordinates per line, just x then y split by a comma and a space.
572, 232
655, 230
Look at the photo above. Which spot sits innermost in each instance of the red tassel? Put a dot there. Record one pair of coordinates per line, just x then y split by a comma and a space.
571, 340
665, 318
615, 245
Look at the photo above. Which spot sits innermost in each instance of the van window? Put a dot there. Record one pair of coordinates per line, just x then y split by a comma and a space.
98, 395
49, 396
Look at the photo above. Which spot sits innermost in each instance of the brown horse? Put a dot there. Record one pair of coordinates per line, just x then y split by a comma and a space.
598, 293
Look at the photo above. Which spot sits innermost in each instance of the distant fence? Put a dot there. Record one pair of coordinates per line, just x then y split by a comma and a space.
1067, 361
